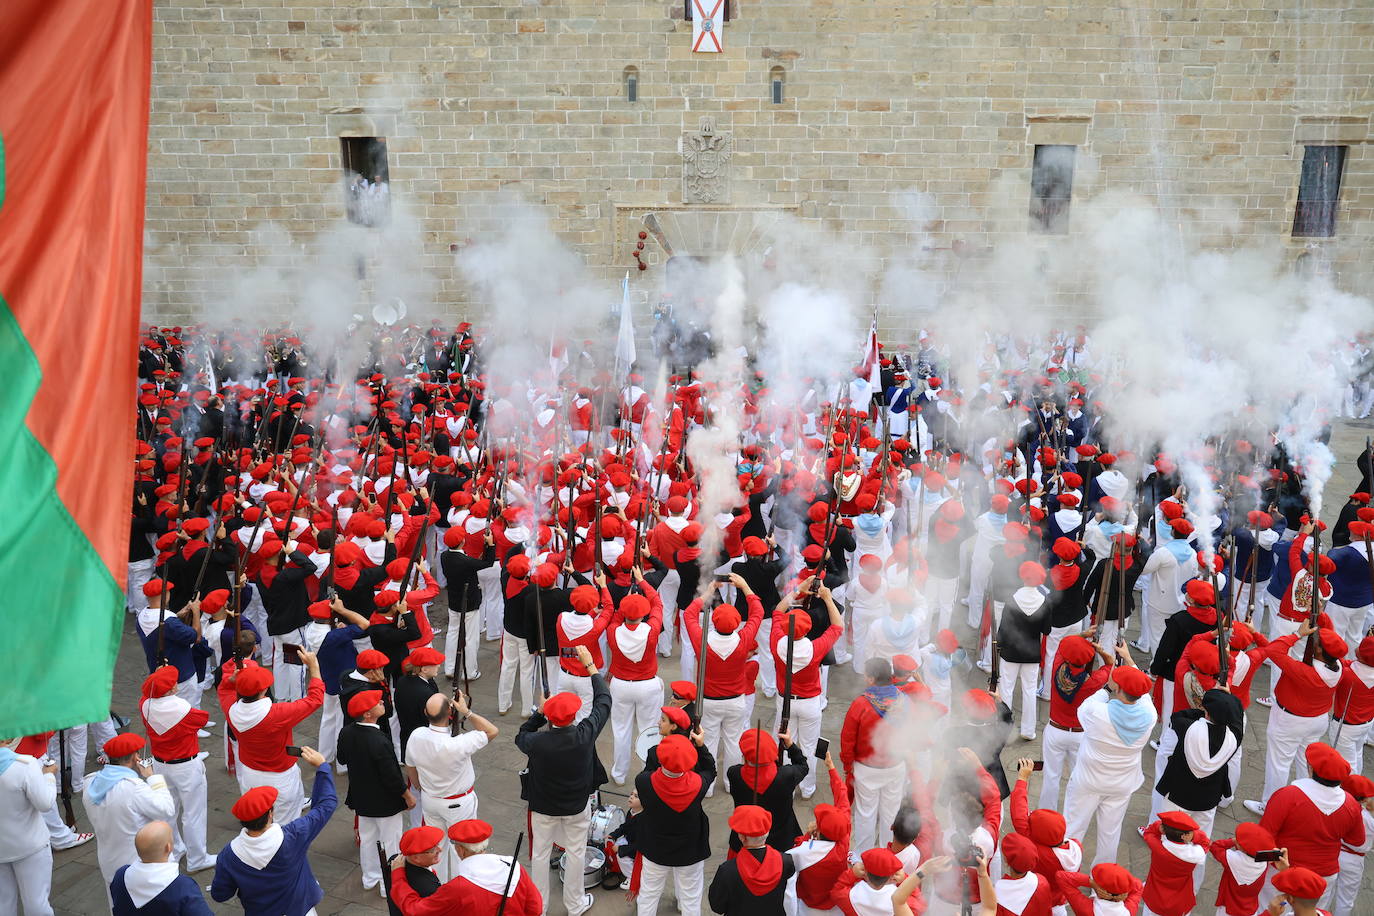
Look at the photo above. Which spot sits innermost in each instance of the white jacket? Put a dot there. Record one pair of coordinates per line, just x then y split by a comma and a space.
127, 809
25, 793
1106, 764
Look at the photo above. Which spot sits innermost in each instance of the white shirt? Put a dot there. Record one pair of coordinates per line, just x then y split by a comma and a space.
127, 809
25, 793
1105, 763
443, 761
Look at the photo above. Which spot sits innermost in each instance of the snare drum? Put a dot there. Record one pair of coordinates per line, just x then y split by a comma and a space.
647, 739
594, 870
605, 820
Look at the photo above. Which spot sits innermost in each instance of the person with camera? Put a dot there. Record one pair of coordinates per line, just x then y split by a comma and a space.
121, 798
28, 788
266, 865
562, 774
377, 791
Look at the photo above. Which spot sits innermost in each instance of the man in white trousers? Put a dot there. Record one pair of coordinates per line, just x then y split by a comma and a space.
867, 755
27, 790
120, 799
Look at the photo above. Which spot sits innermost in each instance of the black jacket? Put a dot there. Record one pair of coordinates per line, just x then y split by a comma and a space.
412, 693
1179, 630
564, 769
762, 576
359, 598
1068, 607
1179, 783
728, 894
460, 570
776, 799
1019, 633
351, 683
390, 639
286, 599
1116, 584
676, 838
376, 787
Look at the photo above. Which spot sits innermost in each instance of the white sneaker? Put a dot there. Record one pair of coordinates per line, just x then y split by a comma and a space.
1265, 701
587, 901
202, 733
1254, 807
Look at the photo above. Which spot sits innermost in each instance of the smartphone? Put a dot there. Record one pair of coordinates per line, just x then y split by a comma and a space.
722, 577
822, 748
1037, 765
292, 751
291, 653
1268, 855
567, 652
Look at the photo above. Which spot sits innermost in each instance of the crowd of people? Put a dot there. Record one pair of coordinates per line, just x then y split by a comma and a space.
305, 540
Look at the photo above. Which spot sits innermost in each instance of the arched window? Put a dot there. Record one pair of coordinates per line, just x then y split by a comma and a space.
776, 78
631, 84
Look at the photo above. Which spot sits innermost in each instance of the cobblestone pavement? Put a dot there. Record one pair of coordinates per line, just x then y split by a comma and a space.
77, 887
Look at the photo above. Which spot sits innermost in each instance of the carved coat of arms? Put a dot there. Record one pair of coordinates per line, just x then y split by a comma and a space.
705, 154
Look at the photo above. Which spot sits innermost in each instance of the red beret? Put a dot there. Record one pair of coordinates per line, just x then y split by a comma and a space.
1032, 574
1178, 820
1047, 827
319, 610
1204, 657
363, 701
979, 704
1303, 883
386, 599
634, 607
758, 747
1252, 838
420, 839
584, 599
832, 823
812, 553
881, 862
1019, 852
1332, 644
546, 575
252, 681
1360, 786
904, 664
122, 745
946, 641
453, 537
561, 708
1066, 549
371, 660
195, 526
685, 690
751, 821
425, 655
755, 546
161, 682
1000, 504
798, 620
1365, 651
1326, 763
470, 832
153, 587
725, 618
1076, 650
254, 803
677, 715
1200, 593
1325, 565
1112, 878
1131, 680
676, 754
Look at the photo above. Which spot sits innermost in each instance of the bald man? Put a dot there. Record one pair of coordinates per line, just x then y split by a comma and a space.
440, 763
152, 886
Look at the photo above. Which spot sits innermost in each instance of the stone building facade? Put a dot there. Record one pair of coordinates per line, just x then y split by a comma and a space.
903, 128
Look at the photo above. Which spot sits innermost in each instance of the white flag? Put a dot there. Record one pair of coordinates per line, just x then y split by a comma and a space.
625, 342
708, 25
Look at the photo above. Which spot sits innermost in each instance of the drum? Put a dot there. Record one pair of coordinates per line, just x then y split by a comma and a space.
593, 872
605, 820
647, 739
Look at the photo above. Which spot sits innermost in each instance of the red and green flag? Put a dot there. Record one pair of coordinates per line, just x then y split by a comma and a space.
74, 90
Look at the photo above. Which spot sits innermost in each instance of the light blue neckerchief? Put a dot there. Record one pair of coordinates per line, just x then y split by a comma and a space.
106, 779
997, 521
1131, 720
1110, 529
7, 757
899, 631
1180, 548
869, 523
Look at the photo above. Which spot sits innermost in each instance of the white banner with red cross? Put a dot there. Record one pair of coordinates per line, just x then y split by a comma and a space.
708, 26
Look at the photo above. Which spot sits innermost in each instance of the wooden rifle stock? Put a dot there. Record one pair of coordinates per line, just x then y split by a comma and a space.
65, 765
1310, 651
786, 717
510, 875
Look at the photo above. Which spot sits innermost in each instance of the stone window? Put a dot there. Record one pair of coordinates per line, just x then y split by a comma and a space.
776, 78
687, 9
1319, 191
367, 181
631, 79
1051, 188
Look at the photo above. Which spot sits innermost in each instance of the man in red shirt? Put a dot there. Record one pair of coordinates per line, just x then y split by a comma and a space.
1045, 828
806, 674
1303, 695
1109, 883
636, 688
1071, 681
1022, 891
1314, 816
1177, 849
579, 627
875, 773
264, 733
728, 689
1353, 709
172, 725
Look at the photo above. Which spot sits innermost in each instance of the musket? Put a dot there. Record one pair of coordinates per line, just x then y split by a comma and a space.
1223, 612
539, 633
994, 666
701, 668
68, 816
510, 875
1311, 650
785, 719
1251, 575
386, 868
758, 744
1104, 586
419, 547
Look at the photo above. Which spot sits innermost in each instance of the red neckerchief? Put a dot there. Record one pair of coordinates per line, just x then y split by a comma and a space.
818, 531
688, 554
515, 586
1207, 615
1063, 577
1013, 548
1128, 558
677, 792
192, 548
345, 577
759, 877
758, 778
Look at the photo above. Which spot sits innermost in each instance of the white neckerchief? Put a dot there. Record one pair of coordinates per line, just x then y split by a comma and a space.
1244, 869
257, 851
1197, 748
1015, 893
574, 625
1068, 520
147, 619
161, 713
1069, 854
676, 524
1327, 799
1188, 852
802, 652
1110, 908
1028, 600
632, 640
810, 852
723, 644
1362, 671
489, 872
869, 901
145, 880
245, 714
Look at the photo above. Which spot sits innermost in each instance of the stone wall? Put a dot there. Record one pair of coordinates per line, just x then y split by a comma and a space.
1202, 106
